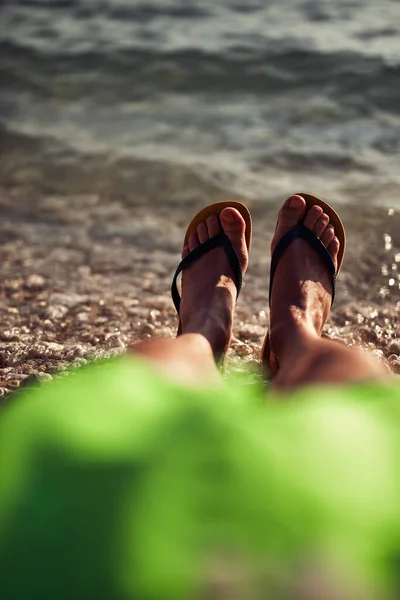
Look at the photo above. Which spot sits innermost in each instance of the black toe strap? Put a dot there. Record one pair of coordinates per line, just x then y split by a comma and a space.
300, 231
218, 240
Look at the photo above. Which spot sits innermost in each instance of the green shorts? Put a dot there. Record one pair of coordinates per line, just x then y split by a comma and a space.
118, 484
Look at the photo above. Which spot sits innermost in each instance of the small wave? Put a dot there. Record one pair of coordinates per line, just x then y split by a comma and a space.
371, 34
144, 13
303, 161
139, 73
48, 4
43, 165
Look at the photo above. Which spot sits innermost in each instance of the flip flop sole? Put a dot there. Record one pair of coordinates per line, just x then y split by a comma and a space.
215, 210
267, 358
334, 219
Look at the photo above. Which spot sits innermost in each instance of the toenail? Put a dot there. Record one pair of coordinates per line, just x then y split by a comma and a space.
295, 202
228, 217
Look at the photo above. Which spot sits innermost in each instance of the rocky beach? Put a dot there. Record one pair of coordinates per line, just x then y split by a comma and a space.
120, 119
86, 274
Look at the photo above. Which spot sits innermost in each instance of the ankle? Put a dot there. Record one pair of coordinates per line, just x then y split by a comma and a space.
217, 329
291, 337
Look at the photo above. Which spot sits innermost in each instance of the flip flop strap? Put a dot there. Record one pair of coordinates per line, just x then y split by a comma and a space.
300, 231
218, 240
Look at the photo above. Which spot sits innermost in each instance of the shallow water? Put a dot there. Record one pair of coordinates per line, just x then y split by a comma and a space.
257, 98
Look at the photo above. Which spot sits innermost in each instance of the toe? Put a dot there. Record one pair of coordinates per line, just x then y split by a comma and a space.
312, 216
321, 224
234, 227
213, 226
185, 251
193, 241
328, 235
233, 224
291, 213
333, 250
202, 232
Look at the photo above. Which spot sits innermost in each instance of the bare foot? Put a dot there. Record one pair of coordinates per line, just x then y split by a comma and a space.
208, 286
302, 288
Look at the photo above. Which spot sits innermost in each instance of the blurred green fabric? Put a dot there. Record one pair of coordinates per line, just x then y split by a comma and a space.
117, 484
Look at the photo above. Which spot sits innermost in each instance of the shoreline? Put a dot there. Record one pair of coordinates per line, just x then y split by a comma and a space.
84, 276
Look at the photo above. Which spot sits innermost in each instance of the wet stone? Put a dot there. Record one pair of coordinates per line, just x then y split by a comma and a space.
392, 359
394, 347
368, 334
56, 312
252, 332
68, 300
12, 285
45, 377
35, 282
83, 317
395, 365
240, 348
147, 329
13, 383
158, 302
10, 335
154, 315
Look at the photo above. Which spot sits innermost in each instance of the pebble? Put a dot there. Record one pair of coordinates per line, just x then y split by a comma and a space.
68, 300
158, 302
32, 379
45, 377
368, 334
79, 362
56, 312
12, 285
10, 335
90, 336
35, 282
53, 347
252, 332
83, 317
241, 348
154, 315
138, 311
394, 347
16, 376
13, 383
394, 364
393, 359
147, 329
77, 351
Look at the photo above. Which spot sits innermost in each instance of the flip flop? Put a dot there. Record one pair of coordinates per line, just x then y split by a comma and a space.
300, 231
218, 240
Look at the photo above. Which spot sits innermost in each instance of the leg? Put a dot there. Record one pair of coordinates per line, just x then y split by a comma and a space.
207, 306
300, 305
312, 360
187, 359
